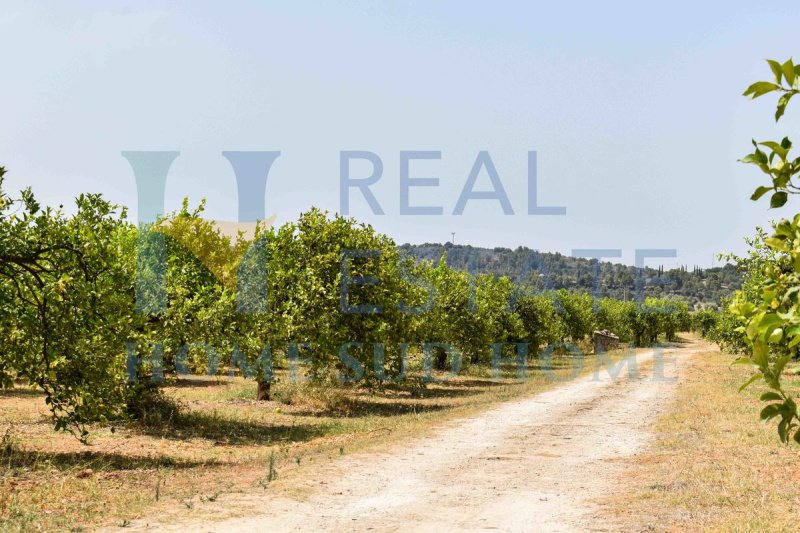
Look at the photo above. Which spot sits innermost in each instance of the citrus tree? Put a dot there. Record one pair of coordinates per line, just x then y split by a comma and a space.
541, 324
705, 322
338, 283
67, 300
617, 316
576, 310
770, 312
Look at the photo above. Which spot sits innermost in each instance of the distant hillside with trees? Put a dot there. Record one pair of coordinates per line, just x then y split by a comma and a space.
698, 287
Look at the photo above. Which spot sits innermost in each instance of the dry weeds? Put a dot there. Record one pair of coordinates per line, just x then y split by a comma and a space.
714, 466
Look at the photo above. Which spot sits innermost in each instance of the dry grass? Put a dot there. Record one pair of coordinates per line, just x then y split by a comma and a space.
714, 466
222, 440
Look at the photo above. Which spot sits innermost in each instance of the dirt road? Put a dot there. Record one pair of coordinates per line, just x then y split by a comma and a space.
537, 464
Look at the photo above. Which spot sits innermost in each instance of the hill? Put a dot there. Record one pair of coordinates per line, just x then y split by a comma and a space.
698, 287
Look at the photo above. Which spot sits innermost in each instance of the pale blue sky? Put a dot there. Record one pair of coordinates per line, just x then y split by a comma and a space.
634, 109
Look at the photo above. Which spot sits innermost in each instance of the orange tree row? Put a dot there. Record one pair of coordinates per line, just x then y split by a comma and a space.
324, 289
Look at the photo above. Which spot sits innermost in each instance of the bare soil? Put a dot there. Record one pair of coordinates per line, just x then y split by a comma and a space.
543, 463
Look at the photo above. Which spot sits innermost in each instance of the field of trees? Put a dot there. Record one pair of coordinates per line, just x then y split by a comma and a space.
267, 351
98, 313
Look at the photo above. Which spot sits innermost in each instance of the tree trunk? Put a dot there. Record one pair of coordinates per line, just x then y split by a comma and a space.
263, 391
441, 358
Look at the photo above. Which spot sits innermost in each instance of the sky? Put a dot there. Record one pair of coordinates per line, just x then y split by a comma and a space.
633, 108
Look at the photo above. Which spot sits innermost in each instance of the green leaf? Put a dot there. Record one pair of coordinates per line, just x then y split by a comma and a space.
760, 88
777, 69
783, 430
743, 361
750, 381
779, 365
785, 229
769, 320
783, 101
760, 354
777, 148
771, 396
777, 244
791, 407
761, 191
771, 411
775, 336
778, 199
788, 71
794, 342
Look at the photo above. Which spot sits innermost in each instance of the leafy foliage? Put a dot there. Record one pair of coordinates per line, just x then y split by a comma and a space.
541, 323
576, 314
776, 161
325, 295
66, 287
766, 312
